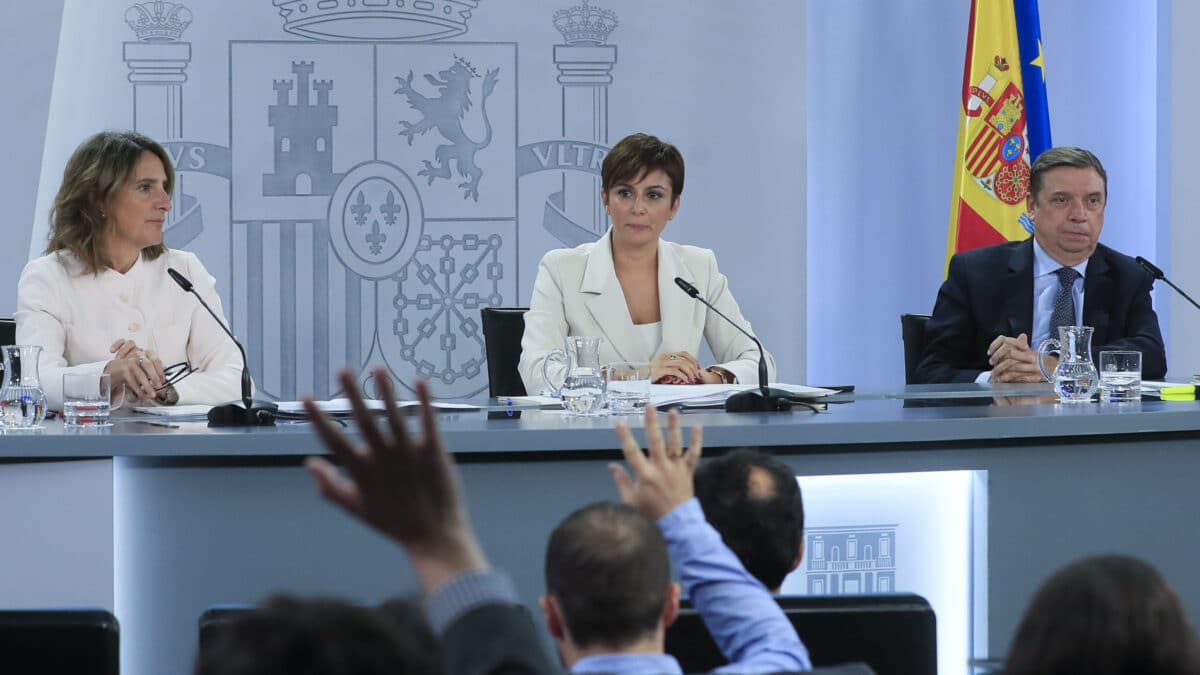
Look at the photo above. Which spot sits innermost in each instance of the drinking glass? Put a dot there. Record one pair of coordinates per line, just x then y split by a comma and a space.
628, 387
1120, 376
87, 399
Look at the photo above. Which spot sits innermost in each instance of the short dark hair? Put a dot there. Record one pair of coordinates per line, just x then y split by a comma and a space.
1109, 614
1064, 156
636, 155
607, 566
321, 637
763, 530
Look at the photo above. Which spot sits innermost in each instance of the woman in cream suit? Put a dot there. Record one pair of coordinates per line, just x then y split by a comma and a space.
100, 300
622, 287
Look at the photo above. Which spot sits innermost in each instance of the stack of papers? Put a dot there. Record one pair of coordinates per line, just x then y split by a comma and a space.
701, 395
340, 407
1169, 391
175, 413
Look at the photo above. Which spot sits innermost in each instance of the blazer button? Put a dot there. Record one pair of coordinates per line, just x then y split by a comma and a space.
133, 327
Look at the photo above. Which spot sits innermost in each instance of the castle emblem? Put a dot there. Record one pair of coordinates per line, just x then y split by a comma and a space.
303, 137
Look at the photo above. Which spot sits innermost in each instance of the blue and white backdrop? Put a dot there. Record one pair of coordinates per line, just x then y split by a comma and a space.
363, 177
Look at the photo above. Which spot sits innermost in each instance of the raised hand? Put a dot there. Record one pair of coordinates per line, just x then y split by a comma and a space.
405, 487
662, 479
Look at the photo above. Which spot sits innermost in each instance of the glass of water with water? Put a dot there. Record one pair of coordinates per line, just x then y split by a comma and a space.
1120, 376
628, 387
87, 399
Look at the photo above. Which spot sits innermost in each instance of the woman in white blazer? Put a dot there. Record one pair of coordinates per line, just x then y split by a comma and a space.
622, 287
100, 300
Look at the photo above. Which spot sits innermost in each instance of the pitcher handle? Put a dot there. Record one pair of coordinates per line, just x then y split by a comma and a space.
555, 355
1042, 353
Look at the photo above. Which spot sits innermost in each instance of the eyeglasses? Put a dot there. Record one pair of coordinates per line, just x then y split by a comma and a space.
174, 373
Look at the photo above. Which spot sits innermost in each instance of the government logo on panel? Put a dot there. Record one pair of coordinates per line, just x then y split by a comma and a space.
371, 178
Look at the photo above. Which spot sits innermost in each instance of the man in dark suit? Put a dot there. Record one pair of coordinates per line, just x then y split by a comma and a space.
999, 302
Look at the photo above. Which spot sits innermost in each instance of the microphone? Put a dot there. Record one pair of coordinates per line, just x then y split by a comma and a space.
246, 412
1158, 274
764, 399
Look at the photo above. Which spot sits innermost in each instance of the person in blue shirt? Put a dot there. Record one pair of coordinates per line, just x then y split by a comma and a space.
409, 489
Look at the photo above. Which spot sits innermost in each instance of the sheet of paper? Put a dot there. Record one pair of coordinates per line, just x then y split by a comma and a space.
711, 394
341, 406
174, 412
531, 400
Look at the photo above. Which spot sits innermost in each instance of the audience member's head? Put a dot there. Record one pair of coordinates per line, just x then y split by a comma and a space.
1105, 615
290, 636
754, 501
608, 582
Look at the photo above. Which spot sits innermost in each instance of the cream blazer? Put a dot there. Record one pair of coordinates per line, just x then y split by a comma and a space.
76, 317
577, 293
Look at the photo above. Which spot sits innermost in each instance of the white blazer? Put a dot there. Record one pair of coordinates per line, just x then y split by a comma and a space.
577, 293
76, 317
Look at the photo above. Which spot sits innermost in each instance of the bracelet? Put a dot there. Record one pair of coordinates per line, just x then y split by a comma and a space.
167, 396
726, 376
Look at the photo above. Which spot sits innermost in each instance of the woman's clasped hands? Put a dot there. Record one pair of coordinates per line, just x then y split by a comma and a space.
680, 368
139, 371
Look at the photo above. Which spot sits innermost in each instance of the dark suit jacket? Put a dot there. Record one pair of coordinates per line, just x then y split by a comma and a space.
989, 292
496, 639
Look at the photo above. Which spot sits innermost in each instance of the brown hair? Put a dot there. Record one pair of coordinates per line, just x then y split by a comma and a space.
607, 566
98, 168
1064, 156
634, 156
1105, 615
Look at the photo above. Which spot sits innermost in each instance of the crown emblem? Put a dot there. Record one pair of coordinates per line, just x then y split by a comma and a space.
375, 20
585, 24
158, 21
462, 61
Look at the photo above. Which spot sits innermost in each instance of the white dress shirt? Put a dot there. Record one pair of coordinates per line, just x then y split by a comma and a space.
577, 293
1045, 290
76, 317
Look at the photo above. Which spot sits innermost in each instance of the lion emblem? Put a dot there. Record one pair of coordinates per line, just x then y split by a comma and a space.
445, 113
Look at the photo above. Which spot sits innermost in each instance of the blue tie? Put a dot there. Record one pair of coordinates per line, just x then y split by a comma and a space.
1064, 302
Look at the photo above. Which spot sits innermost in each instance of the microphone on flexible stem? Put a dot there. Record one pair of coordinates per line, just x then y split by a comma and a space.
1158, 274
763, 399
246, 412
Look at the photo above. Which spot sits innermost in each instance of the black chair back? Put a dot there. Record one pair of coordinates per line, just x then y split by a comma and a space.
503, 328
894, 634
60, 641
912, 330
8, 331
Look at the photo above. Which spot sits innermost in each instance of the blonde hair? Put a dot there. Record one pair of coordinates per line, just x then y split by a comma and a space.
98, 168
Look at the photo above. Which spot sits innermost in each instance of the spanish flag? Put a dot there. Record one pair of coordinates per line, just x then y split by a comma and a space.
1004, 123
